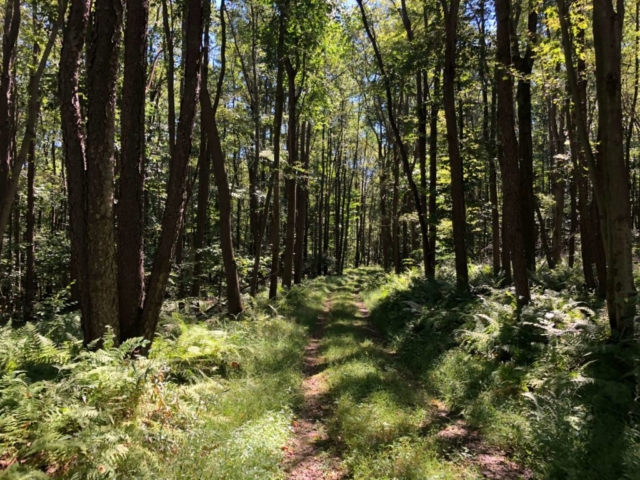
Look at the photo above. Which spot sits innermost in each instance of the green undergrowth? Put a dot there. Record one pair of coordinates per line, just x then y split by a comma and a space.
378, 412
213, 400
545, 386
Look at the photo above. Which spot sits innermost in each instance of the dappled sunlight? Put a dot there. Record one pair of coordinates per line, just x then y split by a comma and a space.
377, 407
541, 386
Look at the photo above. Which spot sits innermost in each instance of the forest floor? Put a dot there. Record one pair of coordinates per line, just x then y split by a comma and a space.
367, 375
357, 399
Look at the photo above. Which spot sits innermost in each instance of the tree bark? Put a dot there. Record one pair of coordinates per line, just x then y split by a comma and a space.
573, 187
557, 140
433, 169
302, 199
168, 48
421, 91
614, 203
234, 298
275, 227
9, 43
395, 201
320, 203
74, 150
524, 65
130, 208
455, 160
102, 75
292, 146
176, 189
636, 89
204, 161
591, 242
30, 286
509, 146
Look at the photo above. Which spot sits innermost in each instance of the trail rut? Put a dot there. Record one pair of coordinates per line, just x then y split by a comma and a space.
308, 456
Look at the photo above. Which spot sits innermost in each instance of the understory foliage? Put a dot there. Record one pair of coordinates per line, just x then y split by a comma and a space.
544, 385
214, 395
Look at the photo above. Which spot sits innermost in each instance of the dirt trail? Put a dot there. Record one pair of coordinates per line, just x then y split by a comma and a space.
492, 463
307, 454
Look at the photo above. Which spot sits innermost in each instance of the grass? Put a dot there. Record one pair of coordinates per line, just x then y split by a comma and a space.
214, 396
378, 417
546, 387
218, 397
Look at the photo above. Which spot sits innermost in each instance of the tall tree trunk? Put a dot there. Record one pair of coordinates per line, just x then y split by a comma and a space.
346, 218
636, 89
176, 194
74, 150
204, 174
583, 161
277, 121
489, 140
234, 298
395, 231
327, 211
204, 159
30, 286
292, 142
433, 168
9, 43
493, 181
384, 218
252, 84
102, 75
421, 91
455, 160
577, 88
168, 49
614, 203
524, 65
556, 142
303, 200
573, 193
509, 145
320, 203
130, 208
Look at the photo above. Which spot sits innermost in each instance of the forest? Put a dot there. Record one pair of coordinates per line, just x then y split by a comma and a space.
319, 239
